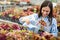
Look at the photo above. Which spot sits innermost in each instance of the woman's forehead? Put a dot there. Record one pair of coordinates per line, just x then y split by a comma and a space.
46, 8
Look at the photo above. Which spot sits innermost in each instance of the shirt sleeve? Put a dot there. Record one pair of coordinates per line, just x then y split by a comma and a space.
54, 30
20, 20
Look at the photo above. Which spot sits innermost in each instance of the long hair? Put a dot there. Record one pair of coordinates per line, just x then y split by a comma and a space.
50, 5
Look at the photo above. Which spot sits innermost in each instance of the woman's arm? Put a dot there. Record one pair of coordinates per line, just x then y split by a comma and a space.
26, 18
29, 21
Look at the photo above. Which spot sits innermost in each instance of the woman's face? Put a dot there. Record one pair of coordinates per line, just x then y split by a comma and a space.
45, 11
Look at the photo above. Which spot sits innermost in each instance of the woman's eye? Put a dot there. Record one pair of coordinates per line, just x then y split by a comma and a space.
47, 11
43, 10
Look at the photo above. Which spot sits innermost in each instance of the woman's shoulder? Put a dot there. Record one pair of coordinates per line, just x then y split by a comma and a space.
53, 19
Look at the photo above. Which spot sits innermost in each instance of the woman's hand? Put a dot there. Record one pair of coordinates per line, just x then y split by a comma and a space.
43, 23
46, 33
26, 20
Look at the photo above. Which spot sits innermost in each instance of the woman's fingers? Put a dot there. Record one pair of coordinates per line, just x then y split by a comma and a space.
43, 23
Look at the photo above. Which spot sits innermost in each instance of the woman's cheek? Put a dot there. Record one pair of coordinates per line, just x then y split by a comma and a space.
47, 14
43, 14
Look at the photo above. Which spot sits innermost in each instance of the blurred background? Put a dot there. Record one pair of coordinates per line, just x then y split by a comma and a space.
12, 10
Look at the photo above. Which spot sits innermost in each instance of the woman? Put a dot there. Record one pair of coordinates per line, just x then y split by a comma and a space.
46, 14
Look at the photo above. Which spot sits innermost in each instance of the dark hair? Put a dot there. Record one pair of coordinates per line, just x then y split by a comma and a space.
50, 5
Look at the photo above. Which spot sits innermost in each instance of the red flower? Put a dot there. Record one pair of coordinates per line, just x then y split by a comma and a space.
15, 27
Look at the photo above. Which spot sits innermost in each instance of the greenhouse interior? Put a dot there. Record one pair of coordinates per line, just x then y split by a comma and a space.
29, 19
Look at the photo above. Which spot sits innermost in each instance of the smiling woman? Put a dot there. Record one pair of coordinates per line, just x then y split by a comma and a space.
45, 11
